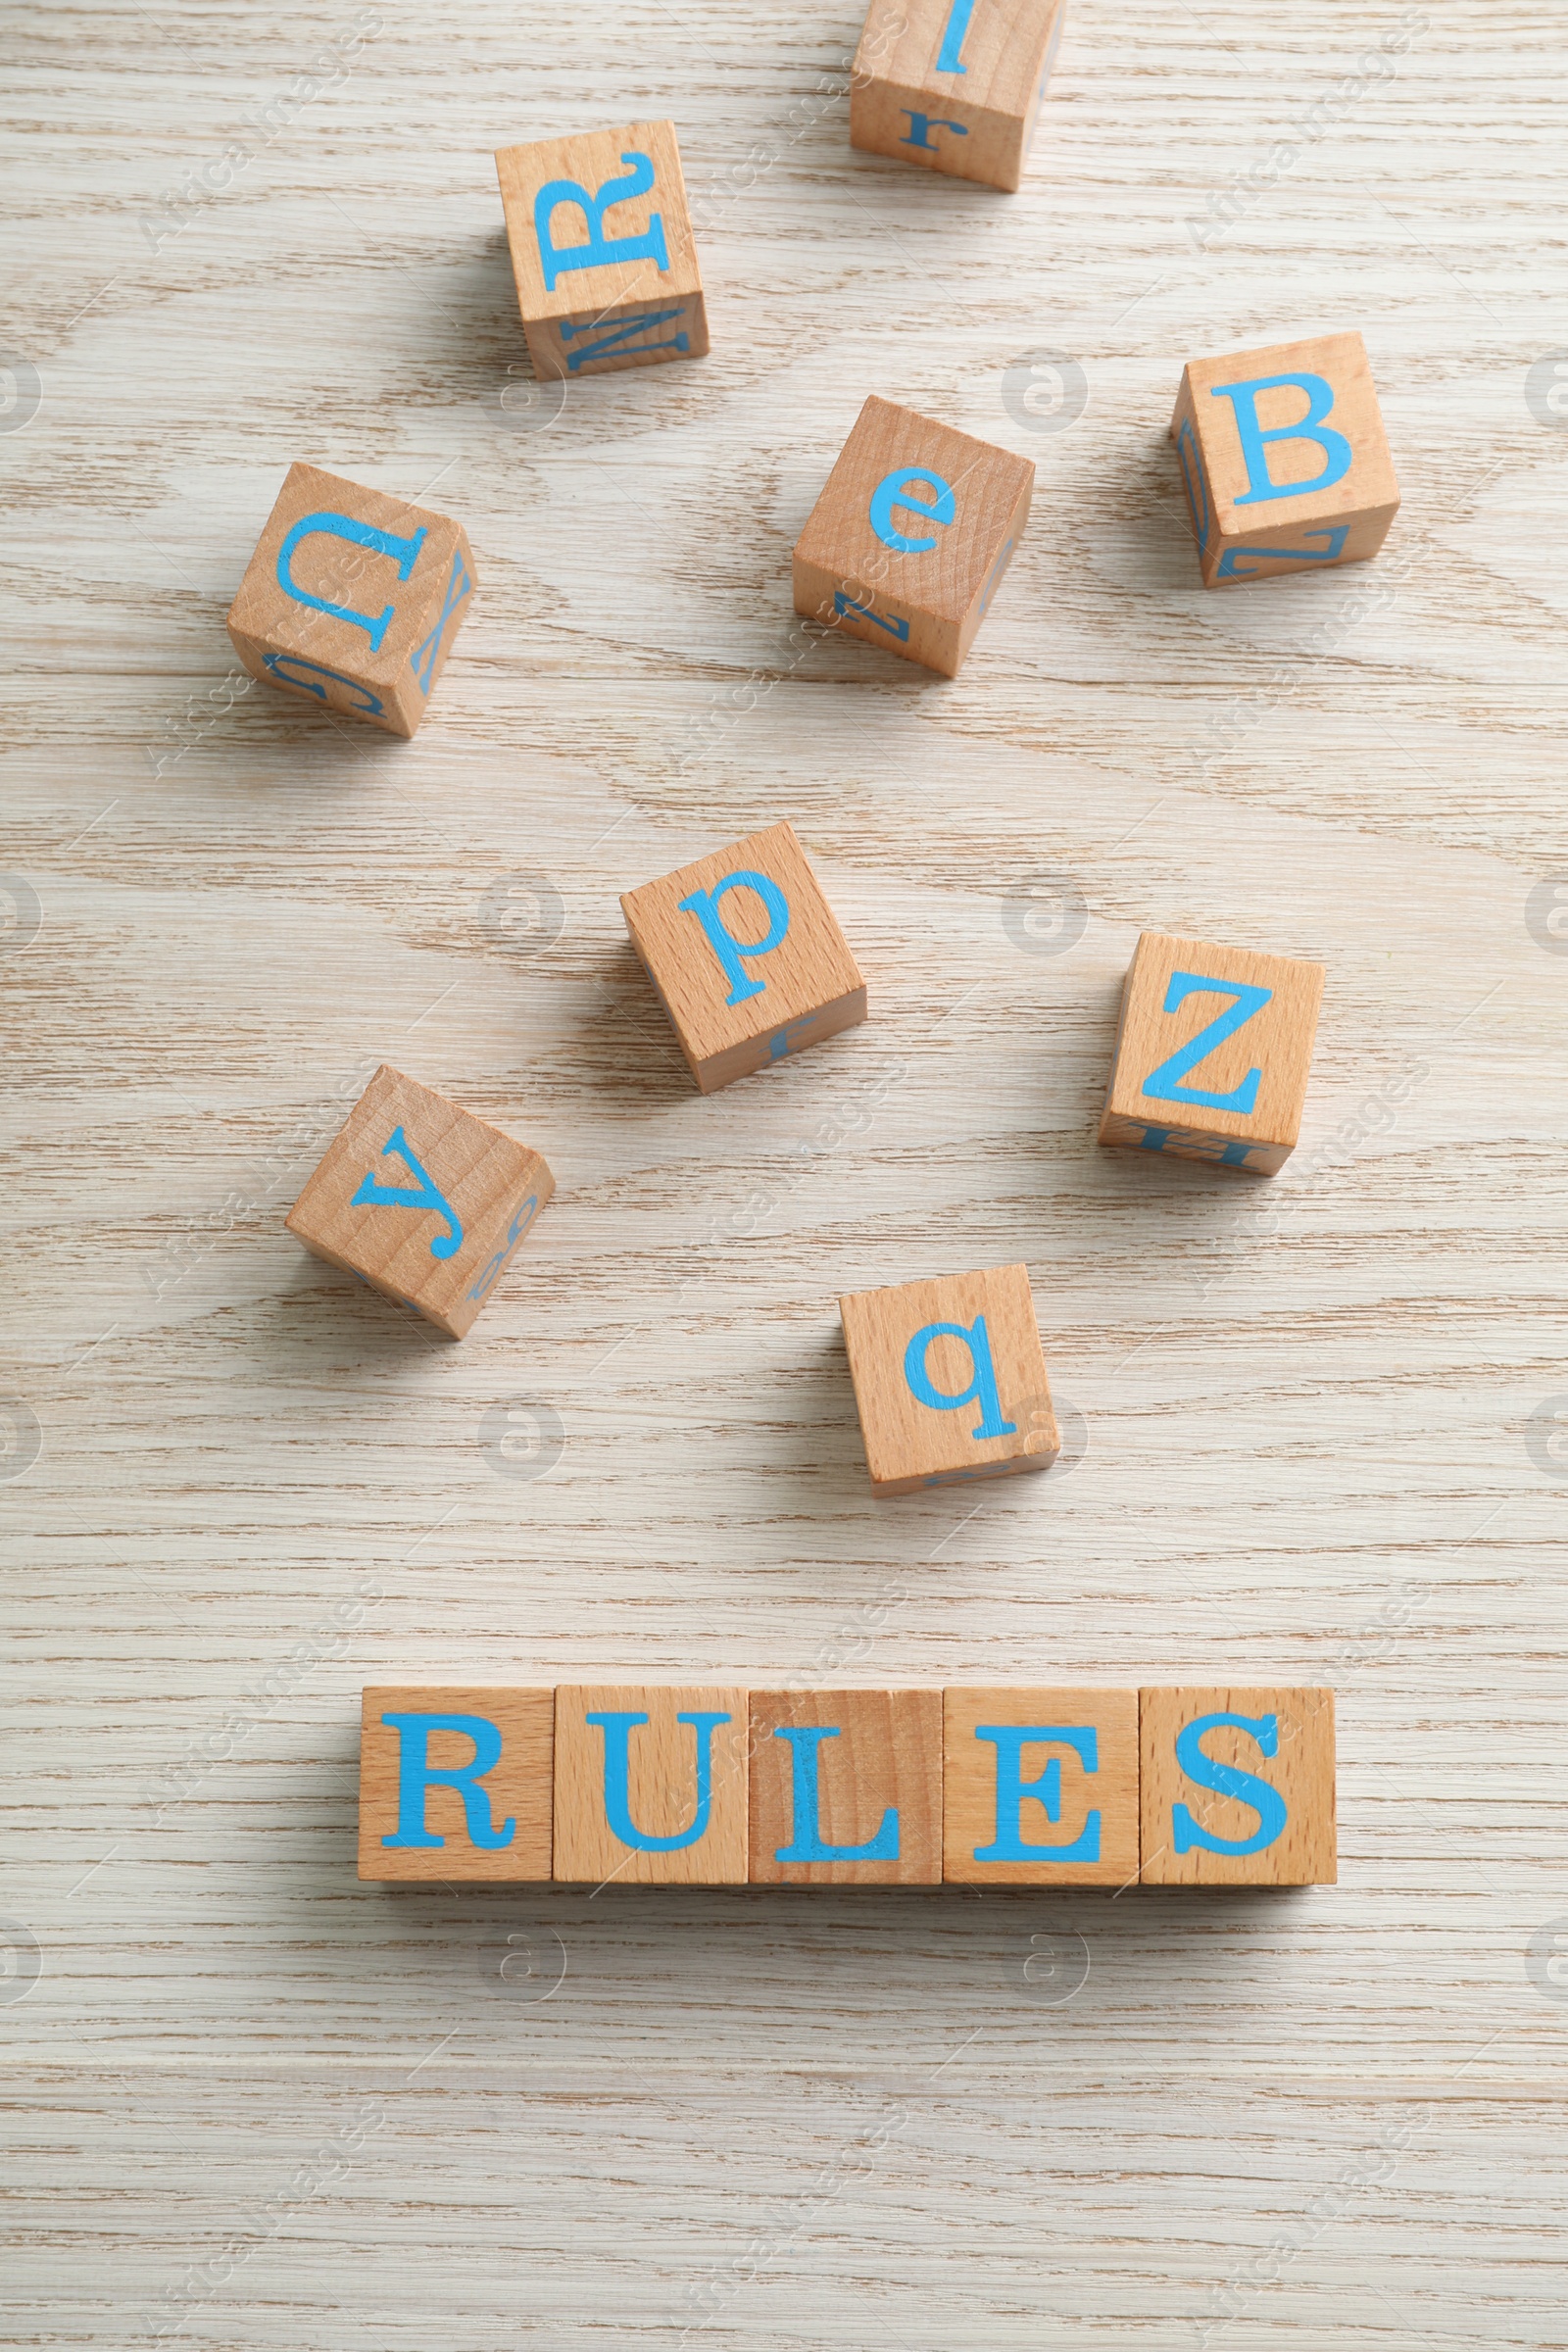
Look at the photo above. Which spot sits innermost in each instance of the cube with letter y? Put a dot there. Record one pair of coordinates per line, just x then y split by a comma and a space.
1237, 1787
651, 1786
954, 84
910, 540
950, 1380
746, 956
1284, 459
455, 1783
421, 1200
1039, 1788
352, 599
601, 251
846, 1788
1214, 1046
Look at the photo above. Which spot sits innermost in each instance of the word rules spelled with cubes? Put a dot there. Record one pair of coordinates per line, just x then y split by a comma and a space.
950, 1380
746, 955
601, 250
955, 84
1212, 1051
352, 599
422, 1201
915, 528
993, 1786
1283, 458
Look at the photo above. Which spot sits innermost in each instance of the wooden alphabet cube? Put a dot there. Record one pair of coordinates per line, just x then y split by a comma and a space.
1237, 1787
423, 1200
1039, 1788
915, 528
746, 955
1212, 1050
1283, 458
846, 1788
601, 250
352, 599
651, 1786
950, 1380
455, 1783
955, 84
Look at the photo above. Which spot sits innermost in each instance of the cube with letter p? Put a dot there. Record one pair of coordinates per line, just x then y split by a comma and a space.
746, 956
1284, 459
950, 1380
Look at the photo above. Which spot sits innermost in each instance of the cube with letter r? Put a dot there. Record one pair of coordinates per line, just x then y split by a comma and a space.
601, 251
950, 1380
1284, 459
455, 1783
913, 535
746, 956
1237, 1787
1212, 1051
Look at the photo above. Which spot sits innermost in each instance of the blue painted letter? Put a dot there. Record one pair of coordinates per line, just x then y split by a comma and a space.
428, 1195
417, 1774
405, 553
806, 1845
893, 491
704, 904
1010, 1740
982, 1389
599, 250
949, 55
1337, 451
920, 124
617, 1726
1165, 1084
1227, 1779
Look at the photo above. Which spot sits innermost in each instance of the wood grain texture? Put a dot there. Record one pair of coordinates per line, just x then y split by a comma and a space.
680, 1776
1089, 1799
964, 1336
515, 1785
353, 622
1195, 1805
421, 1200
953, 85
1344, 522
1300, 1415
872, 1762
746, 980
1264, 1063
911, 536
619, 193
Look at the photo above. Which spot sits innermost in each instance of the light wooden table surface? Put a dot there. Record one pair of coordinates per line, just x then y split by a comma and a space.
257, 2105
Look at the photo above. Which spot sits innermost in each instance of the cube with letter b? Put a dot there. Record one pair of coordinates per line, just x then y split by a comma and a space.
746, 955
1039, 1788
1284, 459
1237, 1787
455, 1783
954, 84
422, 1201
950, 1380
352, 599
601, 251
1212, 1052
909, 539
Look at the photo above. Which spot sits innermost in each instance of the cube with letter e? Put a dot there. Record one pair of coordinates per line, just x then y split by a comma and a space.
910, 538
1214, 1046
950, 1380
601, 251
1284, 459
746, 956
1039, 1788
